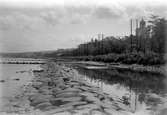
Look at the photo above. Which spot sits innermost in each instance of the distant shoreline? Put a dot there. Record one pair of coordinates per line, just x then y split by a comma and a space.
87, 63
157, 69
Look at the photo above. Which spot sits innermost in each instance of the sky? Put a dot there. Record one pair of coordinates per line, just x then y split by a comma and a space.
39, 25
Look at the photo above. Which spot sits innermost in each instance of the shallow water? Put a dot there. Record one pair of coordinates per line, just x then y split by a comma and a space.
139, 93
13, 77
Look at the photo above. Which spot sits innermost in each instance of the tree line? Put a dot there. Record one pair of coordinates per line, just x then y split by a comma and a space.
150, 43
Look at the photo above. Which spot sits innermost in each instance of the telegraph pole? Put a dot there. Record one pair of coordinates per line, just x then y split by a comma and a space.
99, 50
87, 51
102, 46
131, 35
137, 44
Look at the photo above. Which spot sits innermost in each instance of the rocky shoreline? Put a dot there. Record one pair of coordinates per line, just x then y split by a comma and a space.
159, 69
57, 90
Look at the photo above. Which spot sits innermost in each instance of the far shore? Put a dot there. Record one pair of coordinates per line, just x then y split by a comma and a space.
158, 69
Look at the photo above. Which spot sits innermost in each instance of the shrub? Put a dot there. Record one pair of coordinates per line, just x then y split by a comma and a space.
150, 58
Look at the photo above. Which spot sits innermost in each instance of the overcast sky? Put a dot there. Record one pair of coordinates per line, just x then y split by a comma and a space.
36, 25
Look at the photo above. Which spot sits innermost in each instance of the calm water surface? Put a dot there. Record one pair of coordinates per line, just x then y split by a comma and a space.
13, 77
140, 93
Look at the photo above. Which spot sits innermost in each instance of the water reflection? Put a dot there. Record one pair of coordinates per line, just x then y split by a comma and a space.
138, 92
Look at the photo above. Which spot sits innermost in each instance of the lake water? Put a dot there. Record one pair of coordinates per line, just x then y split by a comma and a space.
140, 93
13, 77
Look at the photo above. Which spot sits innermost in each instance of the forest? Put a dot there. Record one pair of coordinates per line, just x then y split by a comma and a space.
146, 47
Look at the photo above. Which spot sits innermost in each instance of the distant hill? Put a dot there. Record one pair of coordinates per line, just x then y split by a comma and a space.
39, 54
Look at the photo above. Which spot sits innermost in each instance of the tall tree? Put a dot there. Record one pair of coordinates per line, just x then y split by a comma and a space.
158, 28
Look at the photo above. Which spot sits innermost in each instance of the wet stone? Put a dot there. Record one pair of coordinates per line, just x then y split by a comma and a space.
39, 98
78, 103
59, 102
95, 112
89, 106
17, 79
66, 79
69, 90
43, 106
2, 81
37, 85
72, 99
45, 91
67, 94
58, 110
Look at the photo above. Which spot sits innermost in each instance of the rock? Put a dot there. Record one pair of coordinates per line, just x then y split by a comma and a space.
66, 79
112, 111
38, 101
39, 98
37, 84
17, 79
45, 91
67, 90
30, 91
91, 97
72, 99
88, 106
67, 94
63, 113
56, 90
107, 103
43, 79
38, 70
2, 81
58, 102
43, 106
58, 110
78, 103
95, 112
51, 83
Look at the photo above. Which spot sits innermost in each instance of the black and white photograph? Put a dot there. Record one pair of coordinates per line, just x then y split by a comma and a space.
83, 57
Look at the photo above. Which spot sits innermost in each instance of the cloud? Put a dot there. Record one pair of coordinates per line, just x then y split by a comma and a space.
34, 18
108, 13
20, 20
41, 18
78, 14
51, 17
145, 11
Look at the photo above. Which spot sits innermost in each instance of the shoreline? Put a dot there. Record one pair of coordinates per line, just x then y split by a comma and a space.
157, 69
57, 89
